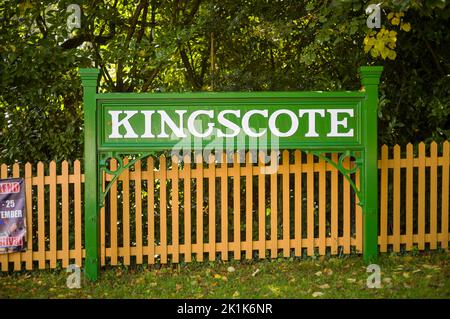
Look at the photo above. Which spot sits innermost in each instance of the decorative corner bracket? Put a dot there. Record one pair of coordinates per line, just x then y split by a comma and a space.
103, 166
359, 163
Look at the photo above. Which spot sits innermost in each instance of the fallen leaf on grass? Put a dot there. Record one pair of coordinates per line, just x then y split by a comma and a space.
319, 273
256, 272
231, 269
324, 286
236, 294
317, 294
328, 271
274, 290
351, 280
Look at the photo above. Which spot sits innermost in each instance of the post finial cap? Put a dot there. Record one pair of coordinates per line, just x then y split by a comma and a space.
89, 76
370, 75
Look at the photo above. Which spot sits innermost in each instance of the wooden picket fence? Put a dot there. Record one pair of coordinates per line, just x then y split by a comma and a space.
165, 210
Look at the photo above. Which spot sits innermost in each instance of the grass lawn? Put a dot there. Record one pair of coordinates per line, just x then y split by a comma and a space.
424, 275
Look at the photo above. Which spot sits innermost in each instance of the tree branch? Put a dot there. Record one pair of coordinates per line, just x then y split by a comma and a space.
188, 19
80, 39
435, 58
143, 24
41, 25
190, 73
133, 23
150, 79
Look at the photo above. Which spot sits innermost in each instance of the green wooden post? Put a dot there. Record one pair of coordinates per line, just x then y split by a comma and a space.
89, 79
370, 78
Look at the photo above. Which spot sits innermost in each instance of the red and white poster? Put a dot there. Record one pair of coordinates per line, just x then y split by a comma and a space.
12, 215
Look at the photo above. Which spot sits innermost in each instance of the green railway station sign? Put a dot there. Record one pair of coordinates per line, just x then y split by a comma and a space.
317, 122
164, 121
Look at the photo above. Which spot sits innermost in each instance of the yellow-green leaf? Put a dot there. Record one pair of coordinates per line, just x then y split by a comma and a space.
392, 55
405, 27
379, 45
374, 52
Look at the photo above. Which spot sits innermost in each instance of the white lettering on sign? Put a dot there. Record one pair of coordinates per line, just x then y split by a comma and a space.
177, 130
193, 129
276, 131
228, 124
116, 124
11, 213
312, 120
246, 120
148, 127
338, 125
335, 123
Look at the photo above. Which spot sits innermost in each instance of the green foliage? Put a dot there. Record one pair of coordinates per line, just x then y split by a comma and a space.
210, 45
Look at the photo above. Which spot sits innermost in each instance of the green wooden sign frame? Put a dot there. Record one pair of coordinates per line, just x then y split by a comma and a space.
116, 124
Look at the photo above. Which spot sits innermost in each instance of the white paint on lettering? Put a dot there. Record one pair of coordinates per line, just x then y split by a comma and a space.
228, 124
294, 123
193, 129
148, 124
116, 124
311, 120
177, 130
246, 120
335, 123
